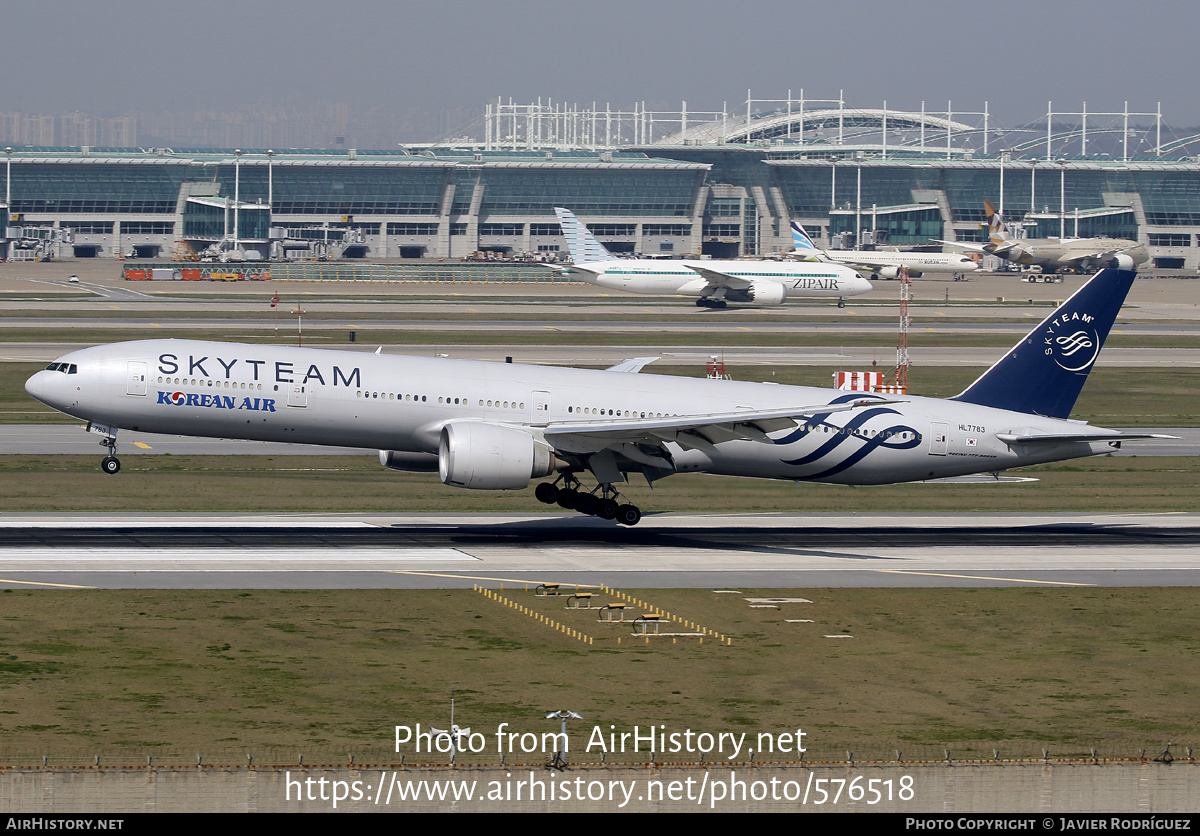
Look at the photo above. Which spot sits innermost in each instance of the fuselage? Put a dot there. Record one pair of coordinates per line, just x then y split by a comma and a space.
915, 262
401, 403
687, 278
1067, 252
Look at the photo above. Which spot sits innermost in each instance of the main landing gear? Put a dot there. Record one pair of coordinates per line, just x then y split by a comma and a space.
705, 302
110, 464
572, 497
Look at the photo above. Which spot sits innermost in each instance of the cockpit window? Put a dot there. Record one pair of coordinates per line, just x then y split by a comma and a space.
53, 367
65, 368
73, 369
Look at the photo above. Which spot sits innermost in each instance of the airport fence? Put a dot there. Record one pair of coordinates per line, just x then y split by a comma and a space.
343, 271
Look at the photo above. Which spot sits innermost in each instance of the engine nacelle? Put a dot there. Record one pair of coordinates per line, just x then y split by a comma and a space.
764, 293
488, 457
1122, 261
409, 462
891, 272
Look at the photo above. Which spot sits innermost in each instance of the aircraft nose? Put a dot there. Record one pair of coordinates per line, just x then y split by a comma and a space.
35, 385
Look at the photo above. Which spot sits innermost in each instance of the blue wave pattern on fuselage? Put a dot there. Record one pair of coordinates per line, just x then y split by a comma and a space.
887, 437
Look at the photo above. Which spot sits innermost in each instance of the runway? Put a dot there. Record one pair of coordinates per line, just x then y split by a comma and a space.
666, 550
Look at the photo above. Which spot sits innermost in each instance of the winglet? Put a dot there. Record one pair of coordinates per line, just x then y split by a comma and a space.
581, 243
1044, 373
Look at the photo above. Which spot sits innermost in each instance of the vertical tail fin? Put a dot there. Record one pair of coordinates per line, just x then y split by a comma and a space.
581, 243
802, 241
997, 234
1044, 373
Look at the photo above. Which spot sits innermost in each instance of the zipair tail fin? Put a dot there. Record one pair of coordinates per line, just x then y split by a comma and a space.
1044, 373
583, 246
803, 243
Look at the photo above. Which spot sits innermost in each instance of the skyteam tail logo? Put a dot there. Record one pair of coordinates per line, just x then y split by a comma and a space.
1072, 342
216, 401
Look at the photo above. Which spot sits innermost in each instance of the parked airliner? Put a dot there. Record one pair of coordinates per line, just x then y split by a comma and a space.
714, 282
1053, 254
499, 426
882, 264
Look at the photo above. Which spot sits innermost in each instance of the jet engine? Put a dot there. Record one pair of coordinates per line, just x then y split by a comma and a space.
764, 293
409, 462
489, 457
1122, 261
892, 272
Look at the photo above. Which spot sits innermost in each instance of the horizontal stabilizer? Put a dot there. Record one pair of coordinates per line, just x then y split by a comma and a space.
1063, 438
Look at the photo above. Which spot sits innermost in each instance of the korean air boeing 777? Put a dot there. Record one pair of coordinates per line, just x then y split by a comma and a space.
499, 426
714, 282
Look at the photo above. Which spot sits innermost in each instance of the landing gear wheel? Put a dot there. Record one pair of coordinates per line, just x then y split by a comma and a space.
628, 515
608, 509
587, 504
567, 499
546, 493
841, 303
721, 303
702, 303
110, 464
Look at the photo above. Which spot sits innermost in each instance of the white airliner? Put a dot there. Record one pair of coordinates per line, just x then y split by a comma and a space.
883, 264
498, 426
714, 282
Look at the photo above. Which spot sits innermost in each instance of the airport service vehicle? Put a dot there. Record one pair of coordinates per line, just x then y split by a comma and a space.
1057, 254
882, 264
714, 282
500, 426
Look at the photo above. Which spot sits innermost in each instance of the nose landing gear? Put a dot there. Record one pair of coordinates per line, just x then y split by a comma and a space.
572, 497
110, 464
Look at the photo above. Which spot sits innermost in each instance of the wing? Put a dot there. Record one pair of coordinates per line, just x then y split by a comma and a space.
692, 432
718, 279
632, 365
963, 245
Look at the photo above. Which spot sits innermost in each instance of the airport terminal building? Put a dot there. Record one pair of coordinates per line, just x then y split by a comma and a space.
708, 189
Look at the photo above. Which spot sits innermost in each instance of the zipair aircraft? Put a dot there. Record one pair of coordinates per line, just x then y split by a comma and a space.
499, 426
715, 283
882, 264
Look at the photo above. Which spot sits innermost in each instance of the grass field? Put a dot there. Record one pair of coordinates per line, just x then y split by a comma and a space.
349, 484
324, 674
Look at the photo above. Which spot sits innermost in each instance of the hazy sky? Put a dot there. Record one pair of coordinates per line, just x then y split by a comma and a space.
125, 55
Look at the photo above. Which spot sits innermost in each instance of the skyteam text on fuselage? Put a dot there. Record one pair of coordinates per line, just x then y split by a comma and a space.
714, 282
499, 426
882, 264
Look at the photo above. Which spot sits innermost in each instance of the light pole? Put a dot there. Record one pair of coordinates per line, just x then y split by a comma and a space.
1062, 198
7, 194
237, 196
1005, 157
270, 181
559, 761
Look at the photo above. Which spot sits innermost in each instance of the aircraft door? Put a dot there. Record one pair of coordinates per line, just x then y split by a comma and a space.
539, 415
939, 439
135, 382
297, 394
